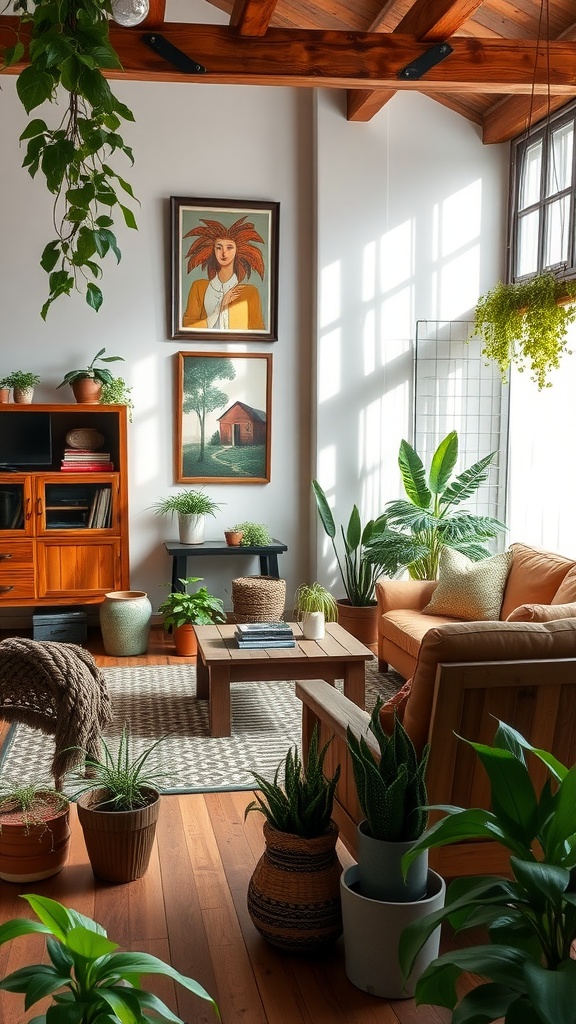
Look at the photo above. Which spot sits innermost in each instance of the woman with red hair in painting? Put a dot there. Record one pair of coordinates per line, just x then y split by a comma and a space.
223, 301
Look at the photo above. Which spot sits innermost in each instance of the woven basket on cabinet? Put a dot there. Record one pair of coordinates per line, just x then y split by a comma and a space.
258, 598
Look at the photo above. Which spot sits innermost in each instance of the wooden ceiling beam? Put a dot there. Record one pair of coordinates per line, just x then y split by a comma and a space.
333, 60
252, 17
431, 22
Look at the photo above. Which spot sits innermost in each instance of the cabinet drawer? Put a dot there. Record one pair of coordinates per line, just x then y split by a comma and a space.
16, 582
15, 553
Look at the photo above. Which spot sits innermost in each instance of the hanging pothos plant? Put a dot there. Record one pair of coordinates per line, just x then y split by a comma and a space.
68, 46
526, 323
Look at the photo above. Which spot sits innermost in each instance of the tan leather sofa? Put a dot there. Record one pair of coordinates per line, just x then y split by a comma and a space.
464, 676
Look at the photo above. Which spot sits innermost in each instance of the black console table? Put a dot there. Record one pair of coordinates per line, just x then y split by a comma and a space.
180, 553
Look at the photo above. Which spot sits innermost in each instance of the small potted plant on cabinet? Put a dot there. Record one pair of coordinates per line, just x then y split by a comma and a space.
4, 390
34, 831
233, 536
254, 535
87, 384
116, 392
293, 896
191, 507
99, 982
314, 606
22, 384
118, 809
182, 611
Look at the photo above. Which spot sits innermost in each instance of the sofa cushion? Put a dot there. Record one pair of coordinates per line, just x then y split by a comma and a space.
542, 612
534, 578
469, 590
567, 590
480, 641
395, 704
406, 628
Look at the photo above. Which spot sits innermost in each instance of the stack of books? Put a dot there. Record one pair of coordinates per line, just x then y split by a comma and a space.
254, 635
82, 460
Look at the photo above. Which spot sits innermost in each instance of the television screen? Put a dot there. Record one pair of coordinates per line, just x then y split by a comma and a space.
25, 439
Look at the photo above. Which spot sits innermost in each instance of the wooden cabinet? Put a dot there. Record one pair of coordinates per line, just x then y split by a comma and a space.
63, 535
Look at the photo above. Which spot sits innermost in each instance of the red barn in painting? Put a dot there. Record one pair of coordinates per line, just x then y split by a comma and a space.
241, 425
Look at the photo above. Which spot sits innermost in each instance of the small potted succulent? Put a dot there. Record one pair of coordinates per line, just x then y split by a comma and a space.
182, 611
87, 384
34, 831
191, 507
254, 535
22, 384
314, 606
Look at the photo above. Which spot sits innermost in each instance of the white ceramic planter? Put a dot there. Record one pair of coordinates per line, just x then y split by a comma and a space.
313, 625
372, 930
191, 529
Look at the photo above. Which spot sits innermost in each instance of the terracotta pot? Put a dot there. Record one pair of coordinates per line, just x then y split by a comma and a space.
23, 396
361, 622
119, 843
185, 641
4, 395
31, 852
233, 537
87, 390
294, 893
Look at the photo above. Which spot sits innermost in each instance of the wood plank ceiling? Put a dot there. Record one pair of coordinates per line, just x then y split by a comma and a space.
507, 62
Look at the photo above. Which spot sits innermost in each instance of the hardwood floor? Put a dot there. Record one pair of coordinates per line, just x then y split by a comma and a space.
190, 910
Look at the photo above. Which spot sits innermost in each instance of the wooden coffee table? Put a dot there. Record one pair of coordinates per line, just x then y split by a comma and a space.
220, 662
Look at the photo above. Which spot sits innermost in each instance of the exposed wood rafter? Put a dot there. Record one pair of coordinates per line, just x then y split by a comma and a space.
252, 17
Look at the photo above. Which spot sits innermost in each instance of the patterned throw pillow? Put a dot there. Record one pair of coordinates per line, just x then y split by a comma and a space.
469, 590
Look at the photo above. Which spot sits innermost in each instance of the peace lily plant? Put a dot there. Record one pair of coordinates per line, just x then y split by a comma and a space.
67, 46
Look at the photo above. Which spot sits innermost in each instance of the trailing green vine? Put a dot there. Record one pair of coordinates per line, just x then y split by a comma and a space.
69, 45
526, 323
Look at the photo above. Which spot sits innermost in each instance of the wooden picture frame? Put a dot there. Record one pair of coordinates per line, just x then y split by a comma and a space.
223, 421
224, 269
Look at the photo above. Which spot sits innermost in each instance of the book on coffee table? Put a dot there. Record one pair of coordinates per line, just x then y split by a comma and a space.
251, 635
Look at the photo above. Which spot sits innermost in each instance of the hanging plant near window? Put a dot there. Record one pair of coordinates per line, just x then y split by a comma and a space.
526, 323
68, 46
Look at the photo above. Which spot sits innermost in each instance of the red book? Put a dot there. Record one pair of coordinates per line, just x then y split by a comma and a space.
86, 467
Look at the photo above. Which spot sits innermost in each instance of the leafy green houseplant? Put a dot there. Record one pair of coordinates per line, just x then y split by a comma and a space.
186, 503
197, 609
526, 323
253, 534
67, 47
22, 379
531, 917
418, 527
359, 569
93, 372
34, 830
87, 978
293, 894
116, 392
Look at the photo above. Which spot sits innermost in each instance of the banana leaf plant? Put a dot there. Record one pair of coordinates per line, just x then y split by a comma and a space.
416, 528
529, 972
86, 977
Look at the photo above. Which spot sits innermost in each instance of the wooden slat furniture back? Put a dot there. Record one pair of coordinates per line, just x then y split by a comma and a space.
537, 698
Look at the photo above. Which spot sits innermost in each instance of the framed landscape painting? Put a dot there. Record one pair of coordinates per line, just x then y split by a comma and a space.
224, 269
223, 425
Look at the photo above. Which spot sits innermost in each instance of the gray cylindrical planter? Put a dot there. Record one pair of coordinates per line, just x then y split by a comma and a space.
125, 622
191, 528
372, 930
380, 869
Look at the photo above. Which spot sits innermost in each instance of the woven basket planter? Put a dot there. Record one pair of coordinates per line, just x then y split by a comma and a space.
294, 893
258, 599
119, 843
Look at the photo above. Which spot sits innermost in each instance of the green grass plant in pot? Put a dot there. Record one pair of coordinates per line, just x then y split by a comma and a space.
416, 528
118, 805
376, 898
293, 894
34, 831
527, 964
86, 976
87, 383
314, 606
183, 610
191, 507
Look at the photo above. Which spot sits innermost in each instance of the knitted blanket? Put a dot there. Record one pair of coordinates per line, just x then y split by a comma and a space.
59, 689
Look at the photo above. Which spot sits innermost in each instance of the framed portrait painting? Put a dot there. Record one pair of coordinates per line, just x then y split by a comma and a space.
224, 269
223, 418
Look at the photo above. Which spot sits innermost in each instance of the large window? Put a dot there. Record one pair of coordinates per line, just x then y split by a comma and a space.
543, 199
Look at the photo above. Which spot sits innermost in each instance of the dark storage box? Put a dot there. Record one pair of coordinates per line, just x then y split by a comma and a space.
68, 627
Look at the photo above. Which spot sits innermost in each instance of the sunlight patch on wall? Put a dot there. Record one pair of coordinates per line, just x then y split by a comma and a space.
397, 323
460, 218
369, 272
369, 342
330, 294
396, 256
459, 284
329, 365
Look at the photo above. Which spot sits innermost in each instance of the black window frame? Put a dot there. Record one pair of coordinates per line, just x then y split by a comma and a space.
518, 147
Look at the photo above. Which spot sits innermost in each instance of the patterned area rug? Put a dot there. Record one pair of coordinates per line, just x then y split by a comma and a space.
161, 701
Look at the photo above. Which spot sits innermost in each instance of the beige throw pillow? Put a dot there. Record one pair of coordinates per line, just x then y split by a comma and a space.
542, 612
469, 590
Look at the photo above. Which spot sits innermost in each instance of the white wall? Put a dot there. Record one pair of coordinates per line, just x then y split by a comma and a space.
388, 210
411, 226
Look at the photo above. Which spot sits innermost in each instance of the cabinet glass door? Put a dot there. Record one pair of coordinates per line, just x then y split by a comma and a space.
14, 506
78, 506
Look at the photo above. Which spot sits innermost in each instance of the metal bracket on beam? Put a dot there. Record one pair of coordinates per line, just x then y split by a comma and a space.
173, 55
425, 61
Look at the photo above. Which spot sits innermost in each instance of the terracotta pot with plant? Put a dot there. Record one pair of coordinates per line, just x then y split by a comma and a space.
118, 809
233, 537
254, 535
4, 390
34, 831
182, 611
191, 507
84, 974
293, 894
87, 384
